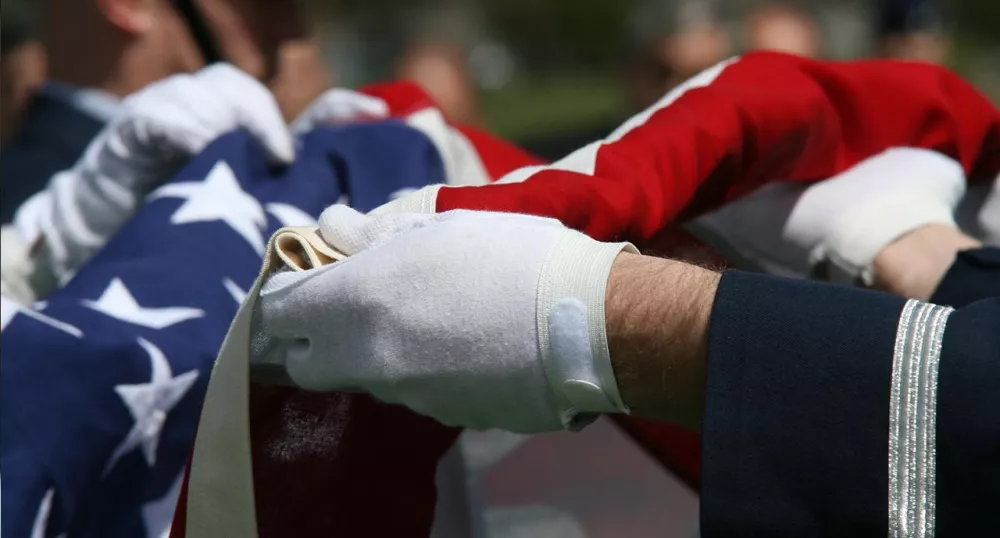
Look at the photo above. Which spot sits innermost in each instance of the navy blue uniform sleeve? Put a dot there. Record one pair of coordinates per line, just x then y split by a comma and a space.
805, 383
975, 275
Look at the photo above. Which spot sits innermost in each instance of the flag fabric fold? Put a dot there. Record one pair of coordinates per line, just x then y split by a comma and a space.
103, 382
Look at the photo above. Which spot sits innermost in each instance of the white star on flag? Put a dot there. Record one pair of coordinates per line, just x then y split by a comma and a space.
290, 215
149, 404
218, 197
117, 301
9, 309
39, 529
235, 290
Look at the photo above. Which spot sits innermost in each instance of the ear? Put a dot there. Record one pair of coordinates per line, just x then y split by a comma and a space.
131, 16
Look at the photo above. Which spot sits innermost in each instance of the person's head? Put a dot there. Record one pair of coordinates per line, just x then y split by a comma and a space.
659, 65
121, 46
440, 69
649, 74
696, 48
301, 76
782, 28
911, 30
22, 65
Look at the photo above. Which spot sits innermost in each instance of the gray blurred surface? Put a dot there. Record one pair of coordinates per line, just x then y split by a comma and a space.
596, 483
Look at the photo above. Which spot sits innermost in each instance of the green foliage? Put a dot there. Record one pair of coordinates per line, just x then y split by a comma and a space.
588, 33
976, 19
558, 104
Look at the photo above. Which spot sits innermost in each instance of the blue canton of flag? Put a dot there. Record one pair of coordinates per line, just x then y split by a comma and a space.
102, 383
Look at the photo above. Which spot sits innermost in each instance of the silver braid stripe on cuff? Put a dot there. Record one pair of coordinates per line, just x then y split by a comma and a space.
912, 419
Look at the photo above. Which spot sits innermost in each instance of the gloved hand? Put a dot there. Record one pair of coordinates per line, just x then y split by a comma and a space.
158, 129
511, 336
989, 215
16, 268
835, 228
338, 106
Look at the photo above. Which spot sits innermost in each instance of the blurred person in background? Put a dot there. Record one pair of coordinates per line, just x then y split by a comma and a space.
648, 73
694, 48
442, 71
98, 52
696, 43
22, 61
661, 64
301, 76
911, 30
782, 28
653, 67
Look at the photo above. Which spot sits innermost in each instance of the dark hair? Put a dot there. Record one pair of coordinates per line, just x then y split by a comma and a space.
203, 37
17, 25
898, 17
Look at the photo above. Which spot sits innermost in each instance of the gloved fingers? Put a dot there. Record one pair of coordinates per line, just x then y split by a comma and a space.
989, 215
351, 231
293, 302
288, 299
339, 106
183, 113
174, 116
912, 168
254, 107
30, 214
876, 181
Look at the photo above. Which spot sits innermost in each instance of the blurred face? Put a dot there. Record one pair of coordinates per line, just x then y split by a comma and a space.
695, 50
784, 33
250, 33
439, 70
922, 46
301, 77
23, 70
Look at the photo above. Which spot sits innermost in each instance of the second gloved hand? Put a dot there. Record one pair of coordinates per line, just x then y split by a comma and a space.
158, 129
511, 336
835, 228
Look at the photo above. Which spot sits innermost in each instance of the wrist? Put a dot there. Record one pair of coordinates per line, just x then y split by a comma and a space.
658, 314
913, 265
571, 327
860, 235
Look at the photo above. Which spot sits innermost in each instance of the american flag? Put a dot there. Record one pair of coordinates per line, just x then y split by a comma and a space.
102, 382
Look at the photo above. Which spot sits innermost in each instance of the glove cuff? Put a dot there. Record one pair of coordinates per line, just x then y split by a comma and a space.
571, 328
850, 250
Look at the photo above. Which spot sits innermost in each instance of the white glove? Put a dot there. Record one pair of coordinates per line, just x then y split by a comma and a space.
989, 215
839, 225
339, 106
480, 320
158, 129
16, 267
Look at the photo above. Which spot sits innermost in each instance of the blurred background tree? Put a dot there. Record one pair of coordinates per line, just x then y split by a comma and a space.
531, 69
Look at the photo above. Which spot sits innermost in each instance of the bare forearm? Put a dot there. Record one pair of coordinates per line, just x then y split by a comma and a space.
913, 265
658, 314
657, 319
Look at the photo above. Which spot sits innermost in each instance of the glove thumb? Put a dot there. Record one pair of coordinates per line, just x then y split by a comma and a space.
339, 106
255, 106
350, 231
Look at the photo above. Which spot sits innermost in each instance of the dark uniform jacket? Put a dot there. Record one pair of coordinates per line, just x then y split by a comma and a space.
52, 136
835, 411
